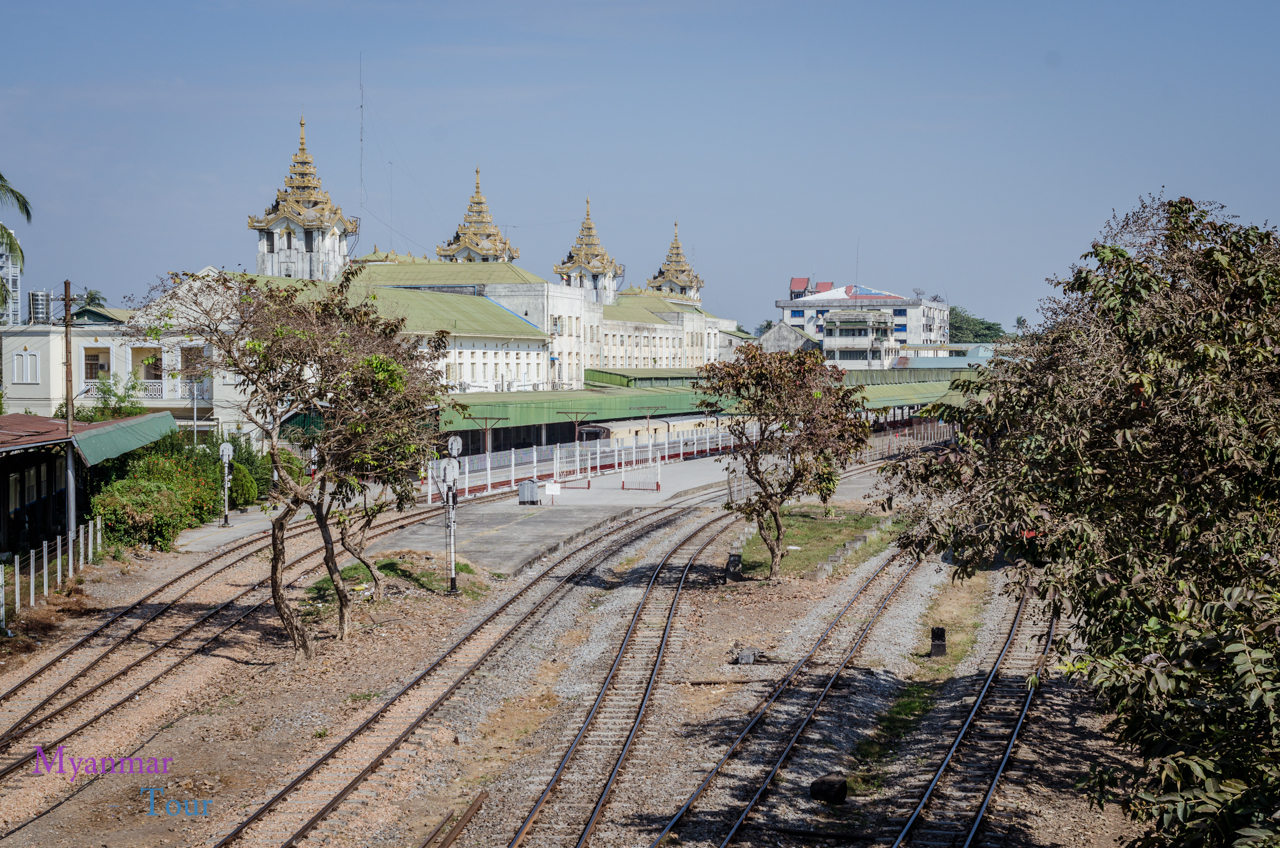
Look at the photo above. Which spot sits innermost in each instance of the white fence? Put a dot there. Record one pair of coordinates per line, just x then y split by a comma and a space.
30, 571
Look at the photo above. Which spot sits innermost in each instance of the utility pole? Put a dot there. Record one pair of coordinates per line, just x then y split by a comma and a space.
67, 302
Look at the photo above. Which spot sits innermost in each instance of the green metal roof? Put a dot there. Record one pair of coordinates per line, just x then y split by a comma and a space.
741, 334
458, 314
101, 315
522, 409
904, 394
630, 313
424, 272
99, 442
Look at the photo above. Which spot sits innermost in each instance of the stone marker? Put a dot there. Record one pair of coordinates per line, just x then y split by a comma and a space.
733, 567
747, 656
831, 788
938, 646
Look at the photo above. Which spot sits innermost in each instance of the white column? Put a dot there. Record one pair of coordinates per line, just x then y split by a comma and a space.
555, 462
513, 467
59, 560
466, 473
488, 472
17, 585
46, 568
31, 581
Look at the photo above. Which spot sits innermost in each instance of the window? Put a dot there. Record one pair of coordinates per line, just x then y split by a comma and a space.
271, 241
310, 241
875, 354
899, 328
853, 354
822, 312
849, 332
830, 354
288, 239
797, 313
899, 313
26, 367
831, 331
94, 367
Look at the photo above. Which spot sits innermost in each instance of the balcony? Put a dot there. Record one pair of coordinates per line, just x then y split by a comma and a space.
147, 390
199, 389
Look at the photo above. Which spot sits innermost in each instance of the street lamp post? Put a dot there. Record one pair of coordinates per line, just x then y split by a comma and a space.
225, 451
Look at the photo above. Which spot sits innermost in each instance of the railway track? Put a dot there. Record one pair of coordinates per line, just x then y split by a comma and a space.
953, 806
124, 641
134, 666
39, 688
567, 811
778, 722
359, 762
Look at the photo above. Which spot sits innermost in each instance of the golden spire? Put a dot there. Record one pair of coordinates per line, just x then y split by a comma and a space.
586, 252
676, 274
479, 233
302, 201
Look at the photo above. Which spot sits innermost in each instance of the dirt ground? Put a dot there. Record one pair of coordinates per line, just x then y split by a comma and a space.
249, 715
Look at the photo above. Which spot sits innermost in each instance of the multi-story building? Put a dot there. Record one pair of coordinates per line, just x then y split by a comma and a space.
917, 321
11, 279
860, 339
303, 234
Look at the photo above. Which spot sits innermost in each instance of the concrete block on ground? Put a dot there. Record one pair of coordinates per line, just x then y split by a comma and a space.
831, 788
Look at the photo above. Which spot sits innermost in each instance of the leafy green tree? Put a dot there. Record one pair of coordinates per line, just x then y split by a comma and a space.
763, 327
316, 366
93, 298
967, 328
793, 422
1126, 458
11, 197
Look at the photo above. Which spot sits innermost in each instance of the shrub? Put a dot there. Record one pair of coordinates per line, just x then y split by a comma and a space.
195, 476
244, 489
137, 511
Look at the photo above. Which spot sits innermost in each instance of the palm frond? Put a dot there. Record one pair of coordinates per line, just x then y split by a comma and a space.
10, 196
9, 243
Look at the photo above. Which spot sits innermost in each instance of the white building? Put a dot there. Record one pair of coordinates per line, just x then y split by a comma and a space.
302, 234
11, 279
916, 321
860, 339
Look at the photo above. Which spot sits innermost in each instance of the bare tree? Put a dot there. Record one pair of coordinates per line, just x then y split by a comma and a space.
317, 368
808, 423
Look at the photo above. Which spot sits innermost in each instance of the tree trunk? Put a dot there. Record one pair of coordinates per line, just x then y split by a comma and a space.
772, 538
303, 647
354, 544
331, 564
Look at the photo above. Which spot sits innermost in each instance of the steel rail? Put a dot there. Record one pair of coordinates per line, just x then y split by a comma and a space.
964, 729
761, 709
338, 797
83, 640
1008, 749
525, 826
648, 691
804, 723
17, 729
9, 769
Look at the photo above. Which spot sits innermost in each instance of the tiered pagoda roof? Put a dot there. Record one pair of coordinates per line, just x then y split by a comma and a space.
301, 200
676, 274
587, 253
479, 234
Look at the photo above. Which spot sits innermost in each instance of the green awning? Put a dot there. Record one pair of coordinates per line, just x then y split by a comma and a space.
107, 441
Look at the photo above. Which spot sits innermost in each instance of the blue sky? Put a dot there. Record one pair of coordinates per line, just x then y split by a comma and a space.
966, 151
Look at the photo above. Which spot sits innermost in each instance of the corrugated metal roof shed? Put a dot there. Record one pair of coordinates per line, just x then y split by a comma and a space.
522, 409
